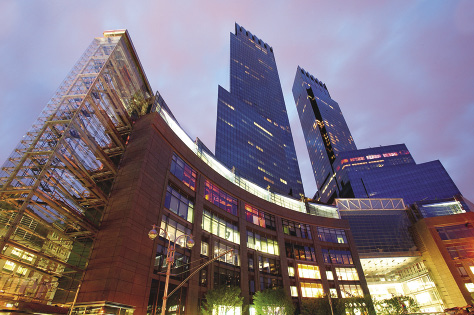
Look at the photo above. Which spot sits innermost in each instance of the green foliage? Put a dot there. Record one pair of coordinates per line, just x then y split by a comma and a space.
226, 296
273, 301
321, 306
397, 305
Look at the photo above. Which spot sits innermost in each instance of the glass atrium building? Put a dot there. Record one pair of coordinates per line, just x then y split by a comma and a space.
253, 134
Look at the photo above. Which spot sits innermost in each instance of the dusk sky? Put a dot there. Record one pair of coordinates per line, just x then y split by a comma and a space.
401, 71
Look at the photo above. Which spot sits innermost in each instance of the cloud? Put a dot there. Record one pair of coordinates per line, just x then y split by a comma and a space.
401, 71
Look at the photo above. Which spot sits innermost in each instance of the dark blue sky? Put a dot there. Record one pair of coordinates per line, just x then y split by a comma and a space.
402, 71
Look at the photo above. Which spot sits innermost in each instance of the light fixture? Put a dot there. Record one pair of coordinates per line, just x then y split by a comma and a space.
153, 233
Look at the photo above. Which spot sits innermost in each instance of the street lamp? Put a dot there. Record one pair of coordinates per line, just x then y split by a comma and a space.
169, 257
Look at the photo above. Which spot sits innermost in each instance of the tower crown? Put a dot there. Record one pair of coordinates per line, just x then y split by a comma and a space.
312, 78
240, 30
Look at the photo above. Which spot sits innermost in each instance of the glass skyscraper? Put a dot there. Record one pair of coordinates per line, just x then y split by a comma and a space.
324, 128
253, 131
343, 171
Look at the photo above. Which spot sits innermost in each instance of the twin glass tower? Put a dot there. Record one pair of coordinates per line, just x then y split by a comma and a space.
253, 137
253, 134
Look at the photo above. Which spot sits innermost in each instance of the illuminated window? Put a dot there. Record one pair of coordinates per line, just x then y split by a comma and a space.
375, 156
220, 198
17, 252
183, 172
269, 265
263, 129
9, 266
390, 154
333, 293
179, 204
300, 252
259, 217
348, 274
308, 271
311, 290
174, 230
204, 249
291, 271
333, 256
294, 291
329, 275
231, 258
220, 227
470, 286
350, 290
283, 181
332, 235
21, 270
262, 243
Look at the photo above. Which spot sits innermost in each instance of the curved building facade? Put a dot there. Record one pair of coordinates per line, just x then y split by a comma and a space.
164, 181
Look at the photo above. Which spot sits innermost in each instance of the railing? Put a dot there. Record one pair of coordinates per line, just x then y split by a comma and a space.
209, 159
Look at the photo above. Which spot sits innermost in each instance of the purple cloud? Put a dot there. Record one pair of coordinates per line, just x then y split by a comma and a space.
401, 71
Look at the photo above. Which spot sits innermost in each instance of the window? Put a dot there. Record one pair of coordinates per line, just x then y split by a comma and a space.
251, 263
300, 252
180, 266
267, 283
308, 271
456, 231
203, 277
291, 271
225, 277
231, 258
350, 290
259, 217
220, 227
21, 270
9, 266
332, 235
294, 291
329, 275
296, 229
333, 256
461, 251
204, 248
269, 265
252, 287
311, 290
220, 198
262, 243
183, 172
174, 230
179, 204
348, 274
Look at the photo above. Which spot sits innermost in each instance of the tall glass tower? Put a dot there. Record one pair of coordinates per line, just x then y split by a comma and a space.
324, 128
253, 131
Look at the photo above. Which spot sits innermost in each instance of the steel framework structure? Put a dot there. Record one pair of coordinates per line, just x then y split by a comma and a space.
54, 186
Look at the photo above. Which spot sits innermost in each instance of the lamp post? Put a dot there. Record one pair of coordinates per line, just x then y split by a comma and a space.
169, 257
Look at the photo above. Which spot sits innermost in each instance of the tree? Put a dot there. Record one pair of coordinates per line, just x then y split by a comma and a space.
274, 302
221, 300
397, 305
352, 305
319, 306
